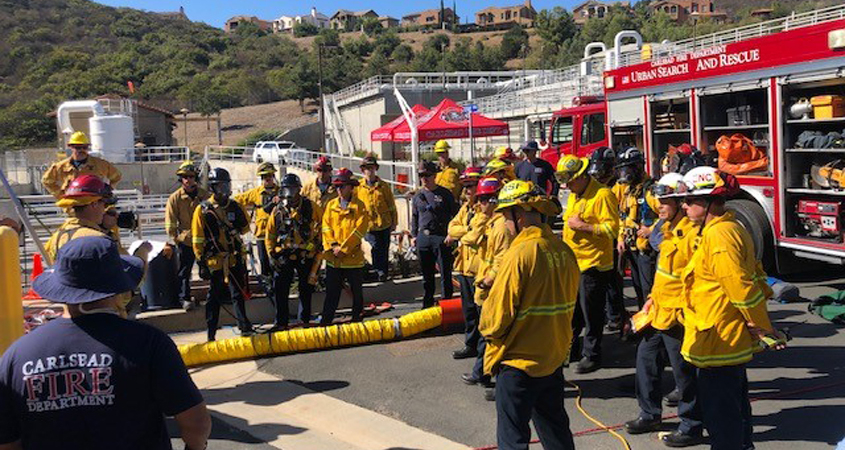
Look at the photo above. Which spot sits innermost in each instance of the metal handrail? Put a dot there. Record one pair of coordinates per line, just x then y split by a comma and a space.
756, 30
160, 153
304, 159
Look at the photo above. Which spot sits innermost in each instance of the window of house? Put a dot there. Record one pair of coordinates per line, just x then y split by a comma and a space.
711, 8
583, 13
562, 131
601, 13
592, 129
507, 15
695, 7
674, 9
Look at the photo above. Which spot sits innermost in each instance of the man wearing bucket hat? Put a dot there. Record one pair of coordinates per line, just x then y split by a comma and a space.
345, 223
432, 209
591, 223
57, 178
77, 382
662, 332
537, 170
448, 174
725, 314
178, 214
527, 321
377, 196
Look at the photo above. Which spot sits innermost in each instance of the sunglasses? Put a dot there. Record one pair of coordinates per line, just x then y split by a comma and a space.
487, 199
188, 177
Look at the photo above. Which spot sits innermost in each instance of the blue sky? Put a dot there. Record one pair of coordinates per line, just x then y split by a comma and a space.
215, 12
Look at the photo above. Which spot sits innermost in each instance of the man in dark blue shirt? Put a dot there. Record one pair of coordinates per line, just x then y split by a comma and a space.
433, 207
96, 381
536, 170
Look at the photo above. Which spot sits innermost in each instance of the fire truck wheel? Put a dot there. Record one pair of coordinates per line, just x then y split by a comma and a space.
754, 219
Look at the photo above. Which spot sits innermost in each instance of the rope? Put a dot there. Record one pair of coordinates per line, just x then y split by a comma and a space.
596, 421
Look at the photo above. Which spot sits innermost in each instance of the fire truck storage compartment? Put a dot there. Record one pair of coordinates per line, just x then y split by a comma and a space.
814, 160
670, 126
742, 110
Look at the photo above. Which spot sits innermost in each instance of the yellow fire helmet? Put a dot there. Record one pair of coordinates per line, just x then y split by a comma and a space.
527, 196
571, 167
265, 168
187, 168
497, 165
78, 138
442, 146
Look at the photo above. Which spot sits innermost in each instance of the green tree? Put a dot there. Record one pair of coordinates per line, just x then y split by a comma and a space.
513, 42
328, 37
297, 81
403, 53
439, 43
371, 26
556, 26
303, 29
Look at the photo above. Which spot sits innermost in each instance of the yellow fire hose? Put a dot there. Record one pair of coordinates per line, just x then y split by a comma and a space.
306, 339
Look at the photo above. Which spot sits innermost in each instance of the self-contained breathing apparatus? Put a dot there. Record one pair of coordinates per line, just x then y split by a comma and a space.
232, 220
292, 233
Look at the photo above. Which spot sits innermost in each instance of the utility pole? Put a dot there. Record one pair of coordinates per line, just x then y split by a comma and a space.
185, 112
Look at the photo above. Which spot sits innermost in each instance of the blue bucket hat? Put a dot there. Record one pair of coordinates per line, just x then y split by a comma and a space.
530, 145
88, 269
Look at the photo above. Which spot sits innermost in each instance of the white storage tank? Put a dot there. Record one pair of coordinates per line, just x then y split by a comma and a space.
112, 136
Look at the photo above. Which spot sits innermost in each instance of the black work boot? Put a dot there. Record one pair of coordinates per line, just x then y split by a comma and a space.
587, 365
640, 425
678, 439
672, 399
464, 353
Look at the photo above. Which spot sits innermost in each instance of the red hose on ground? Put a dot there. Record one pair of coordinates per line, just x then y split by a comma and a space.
672, 416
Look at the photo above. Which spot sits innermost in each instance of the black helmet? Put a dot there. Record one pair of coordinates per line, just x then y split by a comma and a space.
220, 182
219, 175
291, 180
630, 157
602, 161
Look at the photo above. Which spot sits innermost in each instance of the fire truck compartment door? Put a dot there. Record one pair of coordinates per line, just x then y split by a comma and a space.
626, 112
808, 77
668, 95
733, 87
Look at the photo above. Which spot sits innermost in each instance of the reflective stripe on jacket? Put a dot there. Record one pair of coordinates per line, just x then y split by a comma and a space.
57, 178
527, 318
379, 201
636, 208
179, 212
345, 227
213, 241
724, 288
598, 207
675, 252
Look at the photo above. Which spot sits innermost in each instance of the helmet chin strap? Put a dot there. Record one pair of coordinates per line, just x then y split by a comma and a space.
515, 222
706, 213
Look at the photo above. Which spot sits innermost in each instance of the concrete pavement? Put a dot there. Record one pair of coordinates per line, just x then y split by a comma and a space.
408, 394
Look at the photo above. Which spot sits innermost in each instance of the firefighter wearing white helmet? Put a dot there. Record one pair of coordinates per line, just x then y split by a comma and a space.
661, 329
725, 316
591, 222
57, 178
527, 321
449, 175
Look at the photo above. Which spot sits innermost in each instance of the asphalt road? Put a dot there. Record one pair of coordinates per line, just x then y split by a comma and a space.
417, 382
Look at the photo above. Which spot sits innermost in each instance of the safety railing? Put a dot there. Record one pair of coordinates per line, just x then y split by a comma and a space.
790, 22
227, 153
160, 154
395, 173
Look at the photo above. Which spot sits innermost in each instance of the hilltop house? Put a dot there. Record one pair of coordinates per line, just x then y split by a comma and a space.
285, 24
233, 23
431, 18
595, 9
683, 10
498, 17
345, 20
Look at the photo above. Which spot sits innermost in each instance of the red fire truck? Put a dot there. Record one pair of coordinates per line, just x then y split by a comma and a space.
783, 91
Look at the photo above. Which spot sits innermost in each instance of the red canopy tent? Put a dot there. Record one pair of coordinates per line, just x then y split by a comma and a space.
449, 121
385, 132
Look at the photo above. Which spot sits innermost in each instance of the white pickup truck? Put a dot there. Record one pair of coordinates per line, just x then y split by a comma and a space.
275, 152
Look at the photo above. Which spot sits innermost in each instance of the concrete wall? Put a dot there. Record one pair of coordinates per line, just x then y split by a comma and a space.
307, 136
154, 128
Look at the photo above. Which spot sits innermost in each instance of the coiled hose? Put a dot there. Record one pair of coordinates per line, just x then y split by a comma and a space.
306, 339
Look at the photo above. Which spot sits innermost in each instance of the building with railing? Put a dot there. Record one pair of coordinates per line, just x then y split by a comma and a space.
233, 23
595, 9
431, 18
506, 16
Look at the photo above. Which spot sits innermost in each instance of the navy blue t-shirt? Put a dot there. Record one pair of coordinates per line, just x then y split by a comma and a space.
93, 382
540, 172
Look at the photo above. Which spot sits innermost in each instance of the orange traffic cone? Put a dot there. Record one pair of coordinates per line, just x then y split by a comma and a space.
37, 269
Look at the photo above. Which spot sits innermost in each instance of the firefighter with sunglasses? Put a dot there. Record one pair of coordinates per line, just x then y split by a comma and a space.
261, 200
216, 229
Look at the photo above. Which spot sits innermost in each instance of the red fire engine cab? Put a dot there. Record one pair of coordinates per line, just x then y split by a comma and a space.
774, 91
